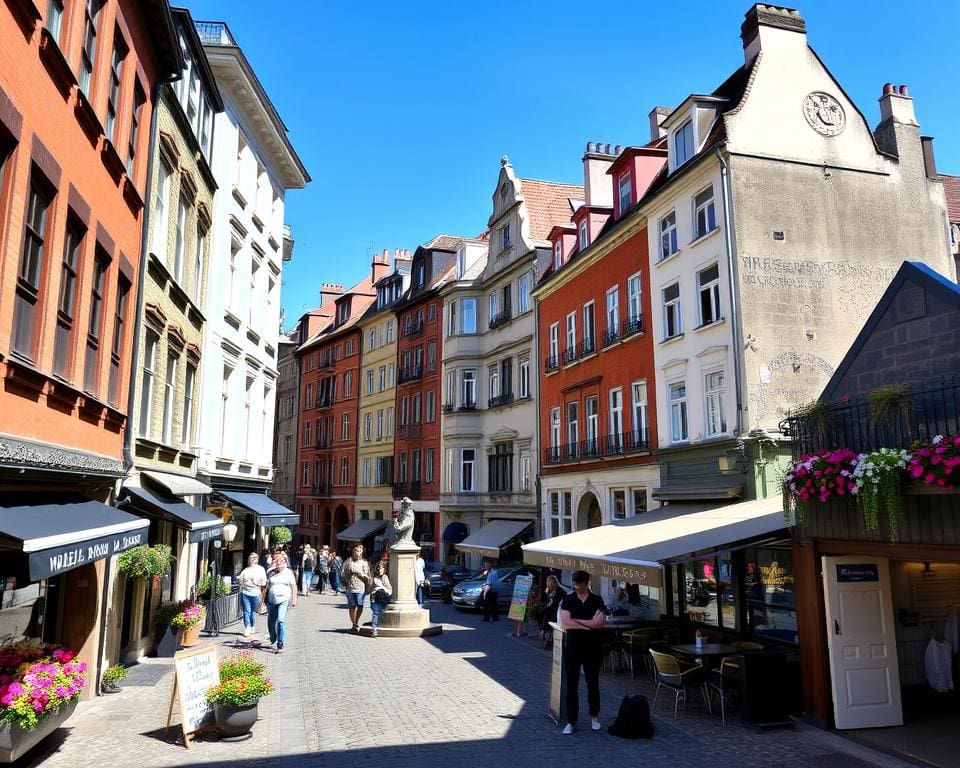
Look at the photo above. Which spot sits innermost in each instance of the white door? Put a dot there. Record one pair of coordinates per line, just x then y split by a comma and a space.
863, 649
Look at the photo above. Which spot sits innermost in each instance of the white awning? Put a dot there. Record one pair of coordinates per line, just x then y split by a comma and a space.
491, 537
632, 550
362, 529
179, 485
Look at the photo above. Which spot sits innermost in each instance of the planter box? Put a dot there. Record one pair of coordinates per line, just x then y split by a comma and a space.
168, 641
15, 742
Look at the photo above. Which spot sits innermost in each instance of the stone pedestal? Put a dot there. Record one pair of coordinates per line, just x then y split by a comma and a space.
404, 617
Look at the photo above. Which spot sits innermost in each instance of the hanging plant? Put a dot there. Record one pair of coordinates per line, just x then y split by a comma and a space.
888, 402
281, 535
142, 563
818, 416
819, 476
878, 476
933, 462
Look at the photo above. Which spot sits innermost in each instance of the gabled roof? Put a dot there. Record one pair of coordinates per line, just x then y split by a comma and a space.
547, 204
951, 187
443, 243
363, 295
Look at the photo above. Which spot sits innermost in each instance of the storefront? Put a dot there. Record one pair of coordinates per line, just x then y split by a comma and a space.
366, 531
498, 540
255, 514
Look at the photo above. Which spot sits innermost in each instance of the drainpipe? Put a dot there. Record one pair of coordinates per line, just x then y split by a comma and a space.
734, 301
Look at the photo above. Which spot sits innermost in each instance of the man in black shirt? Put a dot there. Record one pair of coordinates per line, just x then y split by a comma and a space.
582, 615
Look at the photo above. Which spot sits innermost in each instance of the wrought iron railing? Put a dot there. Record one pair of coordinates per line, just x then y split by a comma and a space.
551, 455
611, 336
503, 399
550, 364
415, 329
586, 347
501, 318
412, 373
569, 356
468, 405
633, 325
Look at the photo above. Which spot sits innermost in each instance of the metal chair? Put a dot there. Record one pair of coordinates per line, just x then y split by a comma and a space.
725, 681
670, 675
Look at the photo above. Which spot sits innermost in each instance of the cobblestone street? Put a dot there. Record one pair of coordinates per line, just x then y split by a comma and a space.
471, 697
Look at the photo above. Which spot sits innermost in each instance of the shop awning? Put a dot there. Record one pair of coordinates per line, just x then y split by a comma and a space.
681, 493
494, 535
179, 485
454, 533
362, 529
201, 525
632, 550
59, 533
268, 512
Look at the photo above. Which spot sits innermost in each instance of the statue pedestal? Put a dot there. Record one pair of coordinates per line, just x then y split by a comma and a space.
404, 617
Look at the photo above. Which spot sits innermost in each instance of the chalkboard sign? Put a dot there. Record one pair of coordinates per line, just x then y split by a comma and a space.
521, 594
195, 671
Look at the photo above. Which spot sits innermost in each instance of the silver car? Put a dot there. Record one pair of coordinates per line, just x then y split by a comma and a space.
467, 593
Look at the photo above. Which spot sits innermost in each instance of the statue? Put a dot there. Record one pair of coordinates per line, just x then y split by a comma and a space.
403, 521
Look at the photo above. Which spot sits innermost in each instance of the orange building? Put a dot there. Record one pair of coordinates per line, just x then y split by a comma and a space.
77, 88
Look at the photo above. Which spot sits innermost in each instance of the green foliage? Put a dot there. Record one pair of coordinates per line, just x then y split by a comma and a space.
241, 691
203, 586
240, 665
888, 402
113, 675
184, 614
818, 415
142, 563
281, 535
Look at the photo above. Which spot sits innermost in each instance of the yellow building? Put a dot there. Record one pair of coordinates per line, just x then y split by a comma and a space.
378, 379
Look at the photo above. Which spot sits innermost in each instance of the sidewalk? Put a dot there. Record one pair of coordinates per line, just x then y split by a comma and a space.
470, 697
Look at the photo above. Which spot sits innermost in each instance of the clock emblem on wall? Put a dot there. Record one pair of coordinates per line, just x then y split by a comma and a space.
824, 113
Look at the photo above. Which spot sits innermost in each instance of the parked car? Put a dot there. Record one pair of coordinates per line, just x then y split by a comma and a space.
467, 593
439, 580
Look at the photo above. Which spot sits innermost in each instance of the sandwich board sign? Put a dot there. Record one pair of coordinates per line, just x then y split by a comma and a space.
195, 671
521, 594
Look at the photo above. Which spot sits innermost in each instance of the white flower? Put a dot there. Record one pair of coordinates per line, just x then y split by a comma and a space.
938, 439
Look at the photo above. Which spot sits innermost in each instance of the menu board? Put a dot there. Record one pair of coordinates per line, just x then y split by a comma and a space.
521, 594
558, 687
195, 672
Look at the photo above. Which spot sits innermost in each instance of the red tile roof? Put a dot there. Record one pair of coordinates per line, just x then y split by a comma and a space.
363, 296
951, 187
547, 204
444, 243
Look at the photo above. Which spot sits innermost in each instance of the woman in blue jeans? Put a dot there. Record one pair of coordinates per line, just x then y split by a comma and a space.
379, 595
253, 583
281, 594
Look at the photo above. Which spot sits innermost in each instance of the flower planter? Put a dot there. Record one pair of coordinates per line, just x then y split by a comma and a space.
168, 640
190, 636
235, 721
14, 741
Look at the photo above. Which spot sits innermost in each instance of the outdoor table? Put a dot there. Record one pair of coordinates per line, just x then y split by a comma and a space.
705, 651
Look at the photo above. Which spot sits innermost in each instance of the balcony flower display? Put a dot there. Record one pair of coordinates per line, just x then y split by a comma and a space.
935, 462
819, 476
37, 685
878, 479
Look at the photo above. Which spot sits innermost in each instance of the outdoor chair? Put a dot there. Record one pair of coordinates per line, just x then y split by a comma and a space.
747, 645
615, 657
671, 675
725, 682
637, 644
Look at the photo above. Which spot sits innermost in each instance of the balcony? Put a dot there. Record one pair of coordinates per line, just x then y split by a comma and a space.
487, 500
321, 489
569, 356
503, 399
550, 365
409, 431
215, 33
324, 363
623, 443
634, 325
415, 329
410, 373
501, 318
608, 446
551, 455
324, 442
447, 408
468, 405
590, 449
411, 489
324, 401
586, 348
611, 336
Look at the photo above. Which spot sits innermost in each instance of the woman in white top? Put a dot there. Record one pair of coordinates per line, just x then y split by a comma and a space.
380, 594
281, 594
253, 583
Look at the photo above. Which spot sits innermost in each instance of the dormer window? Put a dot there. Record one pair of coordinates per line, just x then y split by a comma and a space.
558, 253
420, 273
683, 144
625, 193
343, 312
583, 242
505, 237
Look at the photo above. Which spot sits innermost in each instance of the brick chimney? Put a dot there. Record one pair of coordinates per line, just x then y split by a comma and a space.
898, 132
596, 183
765, 25
330, 291
657, 116
380, 267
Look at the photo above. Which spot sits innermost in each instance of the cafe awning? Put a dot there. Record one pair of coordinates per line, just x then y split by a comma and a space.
632, 550
362, 529
60, 533
269, 513
202, 526
179, 485
494, 535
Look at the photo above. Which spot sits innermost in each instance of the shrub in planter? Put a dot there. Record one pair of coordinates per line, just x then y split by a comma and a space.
203, 586
113, 676
879, 475
933, 462
240, 665
40, 686
819, 476
142, 563
235, 699
184, 614
281, 535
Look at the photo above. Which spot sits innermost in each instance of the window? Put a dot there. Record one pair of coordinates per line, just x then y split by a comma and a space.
678, 412
683, 145
91, 363
615, 438
633, 299
558, 253
402, 474
431, 406
389, 421
639, 501
704, 215
379, 424
306, 432
169, 388
624, 192
715, 392
370, 381
415, 409
672, 319
613, 311
404, 410
769, 590
55, 18
555, 434
305, 474
523, 294
592, 412
73, 242
468, 311
668, 235
619, 503
30, 275
589, 329
348, 384
467, 458
345, 426
582, 238
253, 305
432, 355
525, 472
501, 468
389, 331
348, 347
383, 378
571, 350
494, 306
372, 340
415, 465
554, 343
181, 241
368, 427
138, 101
505, 237
428, 461
573, 429
468, 388
113, 93
116, 350
524, 367
391, 372
146, 383
708, 288
561, 513
344, 471
232, 280
88, 50
638, 392
431, 313
494, 381
366, 473
248, 418
225, 409
199, 248
160, 212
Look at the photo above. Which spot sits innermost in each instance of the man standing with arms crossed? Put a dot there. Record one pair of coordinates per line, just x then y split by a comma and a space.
582, 615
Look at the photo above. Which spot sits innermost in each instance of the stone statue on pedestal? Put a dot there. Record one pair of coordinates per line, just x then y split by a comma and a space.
403, 521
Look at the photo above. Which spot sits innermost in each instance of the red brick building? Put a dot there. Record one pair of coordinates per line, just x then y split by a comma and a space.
419, 347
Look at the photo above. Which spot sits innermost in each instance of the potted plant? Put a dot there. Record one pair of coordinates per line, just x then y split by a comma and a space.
112, 677
203, 587
39, 688
281, 535
184, 616
819, 476
878, 476
235, 699
142, 563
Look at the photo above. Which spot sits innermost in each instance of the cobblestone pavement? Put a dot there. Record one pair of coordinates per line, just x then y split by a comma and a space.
471, 697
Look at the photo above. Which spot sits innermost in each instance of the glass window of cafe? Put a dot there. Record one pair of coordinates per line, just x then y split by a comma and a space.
750, 591
29, 611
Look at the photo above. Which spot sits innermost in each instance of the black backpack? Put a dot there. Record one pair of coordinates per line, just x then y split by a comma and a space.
308, 564
633, 719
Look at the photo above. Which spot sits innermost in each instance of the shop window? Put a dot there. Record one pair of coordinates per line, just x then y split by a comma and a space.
700, 591
22, 612
768, 585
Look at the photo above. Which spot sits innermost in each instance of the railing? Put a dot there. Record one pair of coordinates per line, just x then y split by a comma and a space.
447, 408
411, 489
324, 401
586, 347
468, 405
610, 336
214, 33
633, 325
408, 431
590, 449
619, 444
571, 451
489, 499
501, 318
550, 364
412, 373
222, 611
415, 329
569, 356
503, 399
324, 442
923, 411
551, 455
321, 489
324, 363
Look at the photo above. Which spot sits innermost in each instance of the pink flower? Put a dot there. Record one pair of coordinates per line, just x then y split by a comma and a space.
37, 706
929, 478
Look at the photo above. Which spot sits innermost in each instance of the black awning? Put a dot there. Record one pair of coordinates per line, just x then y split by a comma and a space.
59, 533
454, 533
201, 525
269, 513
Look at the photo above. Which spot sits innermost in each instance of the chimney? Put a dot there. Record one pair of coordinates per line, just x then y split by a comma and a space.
596, 183
380, 266
330, 291
657, 116
929, 162
899, 132
896, 104
766, 24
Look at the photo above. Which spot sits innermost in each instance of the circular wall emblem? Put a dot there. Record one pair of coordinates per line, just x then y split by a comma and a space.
824, 113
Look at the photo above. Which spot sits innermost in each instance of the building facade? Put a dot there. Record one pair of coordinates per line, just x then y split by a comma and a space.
284, 490
77, 87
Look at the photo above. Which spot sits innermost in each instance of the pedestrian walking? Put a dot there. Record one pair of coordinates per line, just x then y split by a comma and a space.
336, 572
491, 592
582, 615
253, 585
419, 577
307, 565
323, 569
281, 595
356, 581
380, 594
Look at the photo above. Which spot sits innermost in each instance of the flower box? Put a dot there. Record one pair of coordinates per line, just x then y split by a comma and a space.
16, 741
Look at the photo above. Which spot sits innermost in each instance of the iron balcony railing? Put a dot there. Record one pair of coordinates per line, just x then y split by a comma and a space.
415, 329
569, 356
633, 325
550, 364
411, 373
501, 318
586, 347
621, 443
611, 336
502, 399
468, 405
409, 431
883, 419
324, 401
321, 489
551, 455
324, 363
447, 408
214, 33
411, 489
324, 442
607, 446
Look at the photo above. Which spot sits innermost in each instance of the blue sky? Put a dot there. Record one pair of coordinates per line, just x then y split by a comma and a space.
401, 111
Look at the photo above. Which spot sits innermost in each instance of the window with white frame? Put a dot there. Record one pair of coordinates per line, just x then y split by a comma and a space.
591, 412
615, 438
625, 192
505, 241
370, 381
634, 307
348, 384
186, 437
147, 378
672, 319
428, 461
402, 468
613, 311
573, 428
554, 343
451, 310
383, 378
524, 373
305, 473
494, 380
555, 433
448, 471
389, 421
668, 235
524, 472
372, 342
367, 427
523, 293
561, 513
431, 406
379, 423
180, 243
582, 241
704, 213
468, 388
715, 389
638, 391
618, 503
306, 432
558, 253
415, 465
467, 477
200, 248
345, 426
468, 316
366, 473
391, 372
571, 336
344, 471
169, 390
678, 411
683, 144
389, 331
494, 299
708, 289
161, 211
639, 500
224, 406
